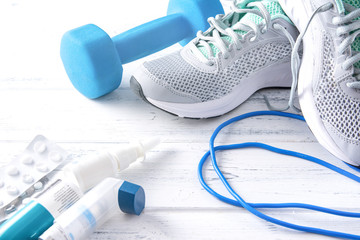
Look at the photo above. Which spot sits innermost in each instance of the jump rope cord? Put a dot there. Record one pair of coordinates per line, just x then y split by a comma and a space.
251, 207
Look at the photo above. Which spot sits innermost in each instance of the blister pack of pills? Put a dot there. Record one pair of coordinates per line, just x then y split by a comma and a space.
25, 174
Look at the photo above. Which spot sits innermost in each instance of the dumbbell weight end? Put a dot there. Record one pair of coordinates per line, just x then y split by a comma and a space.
90, 60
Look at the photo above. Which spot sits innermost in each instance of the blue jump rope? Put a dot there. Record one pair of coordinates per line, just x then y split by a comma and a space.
252, 207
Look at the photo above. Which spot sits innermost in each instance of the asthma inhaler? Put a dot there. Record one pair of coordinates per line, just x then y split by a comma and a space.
95, 208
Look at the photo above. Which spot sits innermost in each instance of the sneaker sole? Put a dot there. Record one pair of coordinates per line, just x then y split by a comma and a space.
137, 89
223, 105
297, 12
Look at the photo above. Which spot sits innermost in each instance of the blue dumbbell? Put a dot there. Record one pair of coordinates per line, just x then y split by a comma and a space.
93, 61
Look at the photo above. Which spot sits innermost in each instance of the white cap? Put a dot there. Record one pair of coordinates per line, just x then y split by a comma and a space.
125, 156
92, 171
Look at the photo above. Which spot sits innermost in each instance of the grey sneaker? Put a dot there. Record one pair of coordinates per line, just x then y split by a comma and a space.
242, 52
328, 85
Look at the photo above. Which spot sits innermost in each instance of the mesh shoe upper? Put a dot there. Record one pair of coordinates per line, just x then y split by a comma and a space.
180, 77
337, 108
242, 52
339, 105
329, 79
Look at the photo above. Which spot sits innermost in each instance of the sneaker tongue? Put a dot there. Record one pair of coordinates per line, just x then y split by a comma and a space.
272, 6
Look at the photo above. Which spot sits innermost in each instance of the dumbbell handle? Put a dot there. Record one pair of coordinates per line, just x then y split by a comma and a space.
151, 37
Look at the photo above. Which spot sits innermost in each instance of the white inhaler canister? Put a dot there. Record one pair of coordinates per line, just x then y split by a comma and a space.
96, 207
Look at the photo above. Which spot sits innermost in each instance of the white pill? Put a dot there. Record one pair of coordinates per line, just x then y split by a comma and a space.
38, 185
28, 179
12, 190
13, 171
39, 147
27, 160
42, 167
25, 201
55, 157
1, 184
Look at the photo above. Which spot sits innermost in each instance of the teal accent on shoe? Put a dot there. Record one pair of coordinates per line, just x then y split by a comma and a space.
272, 6
340, 6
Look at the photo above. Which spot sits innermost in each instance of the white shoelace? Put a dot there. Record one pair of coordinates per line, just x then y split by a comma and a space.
295, 65
347, 26
226, 25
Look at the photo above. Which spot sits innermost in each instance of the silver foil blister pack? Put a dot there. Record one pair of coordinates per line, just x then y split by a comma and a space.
25, 174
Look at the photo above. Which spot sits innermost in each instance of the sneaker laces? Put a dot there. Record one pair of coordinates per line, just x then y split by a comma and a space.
227, 25
295, 60
349, 26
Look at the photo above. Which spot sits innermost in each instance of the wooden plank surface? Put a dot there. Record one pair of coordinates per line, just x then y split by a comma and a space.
36, 97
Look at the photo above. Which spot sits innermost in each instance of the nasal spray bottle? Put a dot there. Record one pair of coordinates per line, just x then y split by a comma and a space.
95, 208
67, 187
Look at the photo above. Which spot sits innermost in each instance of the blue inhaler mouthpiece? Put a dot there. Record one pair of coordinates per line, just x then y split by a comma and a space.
131, 198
